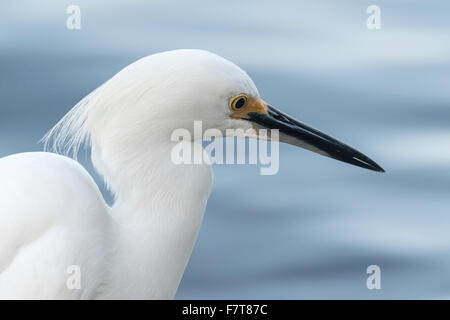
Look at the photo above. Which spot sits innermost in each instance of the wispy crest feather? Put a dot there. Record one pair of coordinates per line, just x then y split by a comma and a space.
71, 132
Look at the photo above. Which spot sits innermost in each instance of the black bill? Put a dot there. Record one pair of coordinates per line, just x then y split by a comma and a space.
293, 132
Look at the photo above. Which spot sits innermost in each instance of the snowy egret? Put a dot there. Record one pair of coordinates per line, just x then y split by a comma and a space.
55, 225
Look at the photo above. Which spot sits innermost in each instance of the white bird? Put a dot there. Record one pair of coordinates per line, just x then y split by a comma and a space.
53, 219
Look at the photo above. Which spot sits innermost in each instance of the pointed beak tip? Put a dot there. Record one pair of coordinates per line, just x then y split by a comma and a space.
375, 167
372, 166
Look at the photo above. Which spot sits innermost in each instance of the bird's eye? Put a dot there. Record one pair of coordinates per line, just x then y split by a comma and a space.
238, 102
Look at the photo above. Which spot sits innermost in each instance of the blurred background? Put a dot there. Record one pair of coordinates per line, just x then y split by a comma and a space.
312, 230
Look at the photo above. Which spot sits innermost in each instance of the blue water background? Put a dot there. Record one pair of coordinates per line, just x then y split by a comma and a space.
311, 230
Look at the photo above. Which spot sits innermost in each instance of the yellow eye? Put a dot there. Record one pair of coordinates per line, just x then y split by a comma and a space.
238, 102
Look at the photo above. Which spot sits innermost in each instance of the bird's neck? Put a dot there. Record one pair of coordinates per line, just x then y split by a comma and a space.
158, 213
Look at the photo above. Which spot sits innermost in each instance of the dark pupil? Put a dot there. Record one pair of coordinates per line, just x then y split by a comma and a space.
240, 103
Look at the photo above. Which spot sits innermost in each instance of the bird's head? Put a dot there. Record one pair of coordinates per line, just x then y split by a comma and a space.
158, 94
201, 86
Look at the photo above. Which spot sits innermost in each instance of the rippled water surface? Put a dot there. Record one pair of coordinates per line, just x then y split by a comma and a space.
311, 230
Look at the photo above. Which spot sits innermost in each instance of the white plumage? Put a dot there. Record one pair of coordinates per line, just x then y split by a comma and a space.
52, 215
